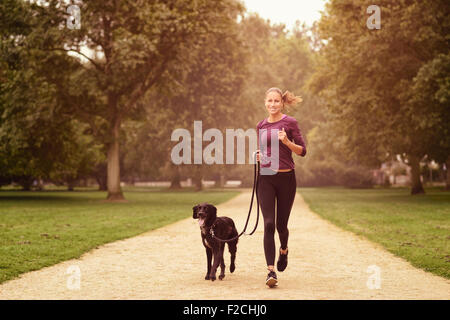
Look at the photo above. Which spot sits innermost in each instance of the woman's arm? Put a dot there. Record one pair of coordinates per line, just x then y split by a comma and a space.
297, 145
294, 147
291, 145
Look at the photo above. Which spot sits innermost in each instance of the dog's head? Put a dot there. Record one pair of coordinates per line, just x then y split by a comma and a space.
205, 213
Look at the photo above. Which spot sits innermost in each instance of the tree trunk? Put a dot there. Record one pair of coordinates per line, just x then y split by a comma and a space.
113, 178
70, 185
416, 184
102, 186
175, 181
26, 183
101, 176
222, 180
198, 183
197, 179
447, 181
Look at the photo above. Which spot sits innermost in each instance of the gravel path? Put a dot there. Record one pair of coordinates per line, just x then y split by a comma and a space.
325, 262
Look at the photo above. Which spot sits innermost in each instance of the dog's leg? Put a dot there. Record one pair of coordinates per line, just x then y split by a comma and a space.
222, 269
217, 256
222, 262
232, 247
208, 262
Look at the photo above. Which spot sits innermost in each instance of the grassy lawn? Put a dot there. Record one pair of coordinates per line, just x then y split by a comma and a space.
39, 229
416, 228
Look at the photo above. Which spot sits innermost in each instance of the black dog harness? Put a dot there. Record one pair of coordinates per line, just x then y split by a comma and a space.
255, 190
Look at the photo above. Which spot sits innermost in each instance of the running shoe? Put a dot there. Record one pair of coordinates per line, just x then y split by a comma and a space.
282, 261
271, 280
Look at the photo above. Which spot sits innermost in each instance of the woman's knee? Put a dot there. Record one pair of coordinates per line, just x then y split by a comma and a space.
282, 229
269, 227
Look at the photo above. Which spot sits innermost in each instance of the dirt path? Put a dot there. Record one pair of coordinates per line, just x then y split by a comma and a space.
325, 262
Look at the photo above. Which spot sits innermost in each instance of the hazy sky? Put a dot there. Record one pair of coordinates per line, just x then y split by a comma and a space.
287, 11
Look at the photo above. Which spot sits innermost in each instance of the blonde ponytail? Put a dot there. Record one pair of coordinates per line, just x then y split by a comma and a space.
290, 99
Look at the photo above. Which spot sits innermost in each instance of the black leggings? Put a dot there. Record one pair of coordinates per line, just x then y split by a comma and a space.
282, 187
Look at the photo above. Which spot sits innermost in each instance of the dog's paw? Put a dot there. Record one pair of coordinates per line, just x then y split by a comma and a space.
232, 268
212, 278
207, 277
221, 277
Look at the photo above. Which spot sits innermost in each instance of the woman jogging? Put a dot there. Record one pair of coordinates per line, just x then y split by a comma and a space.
277, 184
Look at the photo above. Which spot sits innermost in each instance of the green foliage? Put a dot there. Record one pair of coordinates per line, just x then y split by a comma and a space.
39, 137
142, 152
372, 80
357, 177
134, 46
154, 66
430, 96
202, 83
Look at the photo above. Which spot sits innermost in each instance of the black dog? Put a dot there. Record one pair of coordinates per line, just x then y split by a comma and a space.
223, 228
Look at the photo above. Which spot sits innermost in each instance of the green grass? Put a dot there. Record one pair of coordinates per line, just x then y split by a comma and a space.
416, 228
39, 229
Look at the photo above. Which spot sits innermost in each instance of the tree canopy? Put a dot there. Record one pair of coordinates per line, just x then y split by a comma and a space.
372, 79
102, 97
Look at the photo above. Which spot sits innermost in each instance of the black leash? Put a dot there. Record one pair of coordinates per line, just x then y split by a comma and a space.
255, 190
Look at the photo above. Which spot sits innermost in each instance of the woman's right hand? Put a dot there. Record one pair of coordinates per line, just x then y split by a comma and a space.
257, 155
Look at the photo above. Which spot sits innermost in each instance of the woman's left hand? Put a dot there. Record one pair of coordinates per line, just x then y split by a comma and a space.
282, 136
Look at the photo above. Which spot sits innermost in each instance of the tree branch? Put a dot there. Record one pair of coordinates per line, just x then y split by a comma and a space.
99, 67
145, 86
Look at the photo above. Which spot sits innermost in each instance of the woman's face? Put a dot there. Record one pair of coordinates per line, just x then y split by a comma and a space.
273, 103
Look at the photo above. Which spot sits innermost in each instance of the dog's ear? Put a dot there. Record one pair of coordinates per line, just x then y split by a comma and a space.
195, 210
213, 210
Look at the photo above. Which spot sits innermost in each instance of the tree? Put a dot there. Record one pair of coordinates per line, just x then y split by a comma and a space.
203, 88
144, 150
37, 137
431, 93
133, 43
367, 76
81, 154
